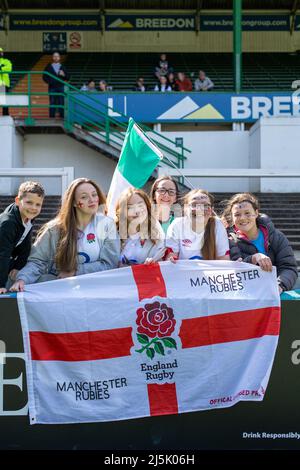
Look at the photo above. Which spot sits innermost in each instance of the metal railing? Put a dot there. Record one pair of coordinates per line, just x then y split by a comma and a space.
95, 117
233, 173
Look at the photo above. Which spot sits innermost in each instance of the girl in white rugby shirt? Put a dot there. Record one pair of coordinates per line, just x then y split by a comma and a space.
200, 234
80, 240
142, 238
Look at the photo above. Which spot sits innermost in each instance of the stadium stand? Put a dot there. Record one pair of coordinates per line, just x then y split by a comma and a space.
261, 71
38, 86
22, 62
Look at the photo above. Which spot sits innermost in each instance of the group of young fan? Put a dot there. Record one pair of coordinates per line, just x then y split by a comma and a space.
81, 239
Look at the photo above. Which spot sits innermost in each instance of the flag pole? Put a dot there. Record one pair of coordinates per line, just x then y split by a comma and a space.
181, 174
172, 164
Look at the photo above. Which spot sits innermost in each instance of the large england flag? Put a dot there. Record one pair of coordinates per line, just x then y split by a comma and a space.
149, 340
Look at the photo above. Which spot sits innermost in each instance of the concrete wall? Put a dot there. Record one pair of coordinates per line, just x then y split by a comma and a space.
272, 143
156, 41
7, 139
217, 150
60, 150
277, 148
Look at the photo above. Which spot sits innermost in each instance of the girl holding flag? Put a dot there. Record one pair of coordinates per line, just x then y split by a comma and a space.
80, 240
142, 238
200, 234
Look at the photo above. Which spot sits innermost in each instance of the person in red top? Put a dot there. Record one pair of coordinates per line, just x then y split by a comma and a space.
183, 83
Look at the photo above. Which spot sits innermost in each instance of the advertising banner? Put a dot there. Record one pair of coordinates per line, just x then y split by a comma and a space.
54, 22
188, 107
149, 22
249, 22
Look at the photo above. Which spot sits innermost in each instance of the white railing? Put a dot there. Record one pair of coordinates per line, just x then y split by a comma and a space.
228, 172
66, 174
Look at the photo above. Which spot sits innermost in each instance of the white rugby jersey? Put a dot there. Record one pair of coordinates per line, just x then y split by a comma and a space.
188, 244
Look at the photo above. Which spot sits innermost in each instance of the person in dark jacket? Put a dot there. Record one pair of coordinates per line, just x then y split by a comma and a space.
56, 86
254, 239
140, 85
15, 231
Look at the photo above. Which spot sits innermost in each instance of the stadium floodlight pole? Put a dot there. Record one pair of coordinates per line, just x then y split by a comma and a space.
237, 44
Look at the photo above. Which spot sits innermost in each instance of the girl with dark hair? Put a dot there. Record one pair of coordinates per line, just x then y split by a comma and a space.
254, 239
164, 194
142, 238
80, 240
200, 234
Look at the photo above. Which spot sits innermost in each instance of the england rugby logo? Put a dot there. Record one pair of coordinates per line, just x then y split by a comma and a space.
156, 324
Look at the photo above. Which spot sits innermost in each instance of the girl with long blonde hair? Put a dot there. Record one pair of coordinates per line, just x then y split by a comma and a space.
142, 238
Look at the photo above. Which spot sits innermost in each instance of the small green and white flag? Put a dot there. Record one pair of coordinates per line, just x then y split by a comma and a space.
138, 158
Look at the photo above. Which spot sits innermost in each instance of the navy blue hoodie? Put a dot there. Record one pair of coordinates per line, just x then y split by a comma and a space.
11, 230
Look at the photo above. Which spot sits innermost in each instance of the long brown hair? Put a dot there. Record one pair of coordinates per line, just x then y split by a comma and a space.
238, 199
66, 223
209, 249
150, 225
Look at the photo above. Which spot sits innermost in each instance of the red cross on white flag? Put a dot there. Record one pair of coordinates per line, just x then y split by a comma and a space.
149, 340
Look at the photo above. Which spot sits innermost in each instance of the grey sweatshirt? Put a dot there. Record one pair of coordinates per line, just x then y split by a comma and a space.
205, 84
42, 257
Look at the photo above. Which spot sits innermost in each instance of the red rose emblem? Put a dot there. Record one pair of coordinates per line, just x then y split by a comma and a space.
155, 320
90, 237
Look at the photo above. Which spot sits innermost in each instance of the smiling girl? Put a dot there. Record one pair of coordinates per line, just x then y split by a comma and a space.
200, 234
254, 238
164, 194
142, 238
80, 240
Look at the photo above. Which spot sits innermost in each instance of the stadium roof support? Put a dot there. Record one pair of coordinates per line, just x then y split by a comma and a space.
237, 44
293, 15
4, 5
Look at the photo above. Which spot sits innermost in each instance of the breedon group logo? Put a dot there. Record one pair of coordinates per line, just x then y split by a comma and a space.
187, 109
120, 24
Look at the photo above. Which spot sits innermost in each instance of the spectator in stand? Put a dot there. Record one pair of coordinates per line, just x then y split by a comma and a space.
203, 83
89, 86
5, 66
58, 70
163, 68
162, 85
183, 83
103, 86
140, 85
172, 81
